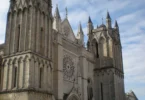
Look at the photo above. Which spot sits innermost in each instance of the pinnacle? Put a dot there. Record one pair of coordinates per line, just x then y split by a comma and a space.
57, 15
89, 21
116, 24
108, 15
80, 30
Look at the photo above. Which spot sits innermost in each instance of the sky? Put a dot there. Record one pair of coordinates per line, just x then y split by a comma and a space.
130, 15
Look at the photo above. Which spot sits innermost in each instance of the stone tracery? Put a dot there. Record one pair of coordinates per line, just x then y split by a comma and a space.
68, 67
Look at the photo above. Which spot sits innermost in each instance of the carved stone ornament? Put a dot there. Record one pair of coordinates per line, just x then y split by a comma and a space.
68, 67
66, 30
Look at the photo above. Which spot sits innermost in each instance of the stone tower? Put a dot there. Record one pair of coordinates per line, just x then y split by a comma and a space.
104, 43
27, 61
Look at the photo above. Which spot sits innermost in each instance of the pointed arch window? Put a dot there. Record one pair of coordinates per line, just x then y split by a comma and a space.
41, 74
97, 50
18, 41
102, 91
103, 47
41, 38
15, 71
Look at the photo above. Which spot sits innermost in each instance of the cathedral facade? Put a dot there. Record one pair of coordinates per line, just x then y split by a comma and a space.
42, 59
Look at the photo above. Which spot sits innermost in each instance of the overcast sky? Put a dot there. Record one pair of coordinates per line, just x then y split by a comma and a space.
130, 15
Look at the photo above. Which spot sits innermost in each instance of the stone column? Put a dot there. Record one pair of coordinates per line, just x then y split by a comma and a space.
43, 34
46, 36
8, 72
24, 30
45, 77
38, 31
20, 34
8, 31
30, 34
5, 76
58, 70
10, 75
12, 43
18, 73
27, 69
36, 74
48, 40
50, 37
18, 31
33, 28
31, 73
84, 80
27, 38
48, 77
21, 73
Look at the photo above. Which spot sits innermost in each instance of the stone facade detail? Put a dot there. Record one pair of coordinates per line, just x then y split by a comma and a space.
42, 59
68, 67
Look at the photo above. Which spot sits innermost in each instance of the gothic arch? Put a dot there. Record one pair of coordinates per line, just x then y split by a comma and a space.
33, 58
15, 61
103, 46
50, 65
110, 47
5, 62
26, 58
38, 60
20, 59
42, 64
95, 47
73, 97
20, 9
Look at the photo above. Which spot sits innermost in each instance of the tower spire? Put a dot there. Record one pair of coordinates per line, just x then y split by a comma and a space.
108, 20
57, 20
116, 24
57, 15
66, 12
80, 28
89, 21
108, 15
90, 25
80, 34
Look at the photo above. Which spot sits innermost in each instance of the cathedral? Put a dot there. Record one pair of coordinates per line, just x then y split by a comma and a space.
42, 59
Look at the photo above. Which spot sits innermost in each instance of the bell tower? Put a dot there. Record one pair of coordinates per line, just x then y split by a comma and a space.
106, 47
27, 61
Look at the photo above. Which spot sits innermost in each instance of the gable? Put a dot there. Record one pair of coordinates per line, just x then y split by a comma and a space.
67, 30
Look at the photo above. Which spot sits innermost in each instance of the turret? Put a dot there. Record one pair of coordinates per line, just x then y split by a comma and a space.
57, 20
108, 21
80, 34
